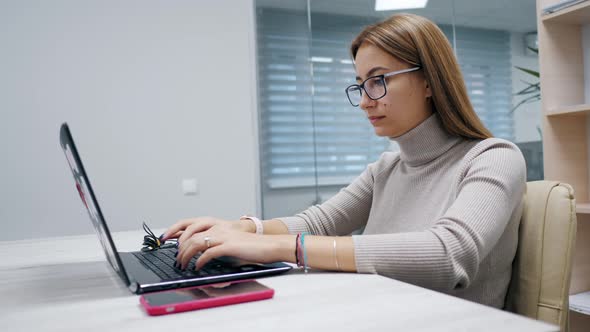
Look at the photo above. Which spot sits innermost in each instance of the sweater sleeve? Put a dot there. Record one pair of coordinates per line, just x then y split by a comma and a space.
447, 255
345, 212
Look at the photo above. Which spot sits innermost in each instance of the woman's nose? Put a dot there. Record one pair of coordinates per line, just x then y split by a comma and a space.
366, 102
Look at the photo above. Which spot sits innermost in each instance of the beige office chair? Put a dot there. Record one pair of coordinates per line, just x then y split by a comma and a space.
542, 268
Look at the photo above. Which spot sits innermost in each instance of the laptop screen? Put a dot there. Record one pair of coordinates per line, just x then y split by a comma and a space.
89, 200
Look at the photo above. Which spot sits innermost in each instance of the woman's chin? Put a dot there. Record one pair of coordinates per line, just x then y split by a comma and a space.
383, 132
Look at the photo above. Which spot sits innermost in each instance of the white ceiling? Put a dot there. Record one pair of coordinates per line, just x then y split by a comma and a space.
511, 15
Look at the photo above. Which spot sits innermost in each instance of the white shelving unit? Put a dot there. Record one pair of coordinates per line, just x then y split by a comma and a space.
566, 121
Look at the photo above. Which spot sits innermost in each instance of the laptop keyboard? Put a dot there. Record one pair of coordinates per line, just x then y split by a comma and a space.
161, 262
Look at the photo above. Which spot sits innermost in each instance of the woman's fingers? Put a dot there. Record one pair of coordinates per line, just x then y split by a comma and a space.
194, 228
215, 242
177, 227
189, 248
210, 254
173, 236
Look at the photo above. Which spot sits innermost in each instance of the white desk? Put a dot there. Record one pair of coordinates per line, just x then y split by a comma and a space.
65, 284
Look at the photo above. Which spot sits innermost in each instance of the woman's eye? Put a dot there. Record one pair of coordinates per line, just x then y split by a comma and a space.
377, 82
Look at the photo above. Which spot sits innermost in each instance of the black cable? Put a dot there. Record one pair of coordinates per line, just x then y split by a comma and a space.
152, 242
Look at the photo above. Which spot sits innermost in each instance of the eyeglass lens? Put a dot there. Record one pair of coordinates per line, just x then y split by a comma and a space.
374, 87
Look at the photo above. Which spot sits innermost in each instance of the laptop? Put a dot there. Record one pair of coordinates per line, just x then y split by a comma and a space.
153, 270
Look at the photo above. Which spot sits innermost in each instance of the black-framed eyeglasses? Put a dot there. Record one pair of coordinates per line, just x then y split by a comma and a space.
375, 87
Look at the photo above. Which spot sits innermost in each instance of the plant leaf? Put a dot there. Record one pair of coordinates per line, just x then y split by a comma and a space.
531, 88
526, 101
537, 85
524, 91
528, 71
532, 98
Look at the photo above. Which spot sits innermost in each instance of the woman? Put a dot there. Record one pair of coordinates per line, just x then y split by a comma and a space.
442, 213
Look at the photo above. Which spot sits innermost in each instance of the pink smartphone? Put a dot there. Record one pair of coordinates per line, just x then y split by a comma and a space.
193, 298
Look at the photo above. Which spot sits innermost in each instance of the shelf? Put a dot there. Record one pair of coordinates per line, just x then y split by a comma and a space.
583, 208
581, 109
580, 303
577, 14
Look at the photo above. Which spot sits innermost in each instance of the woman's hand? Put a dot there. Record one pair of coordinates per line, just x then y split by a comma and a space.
186, 228
216, 237
220, 240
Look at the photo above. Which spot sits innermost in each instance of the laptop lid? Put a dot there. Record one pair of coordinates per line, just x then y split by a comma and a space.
89, 200
124, 264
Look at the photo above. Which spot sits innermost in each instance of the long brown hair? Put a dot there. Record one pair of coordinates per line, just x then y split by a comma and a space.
419, 42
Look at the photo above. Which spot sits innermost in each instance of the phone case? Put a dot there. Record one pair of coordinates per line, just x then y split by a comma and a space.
171, 308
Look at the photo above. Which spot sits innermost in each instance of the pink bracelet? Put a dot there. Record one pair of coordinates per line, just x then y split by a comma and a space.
257, 223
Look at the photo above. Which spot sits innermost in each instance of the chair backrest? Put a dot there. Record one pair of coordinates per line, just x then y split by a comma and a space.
541, 271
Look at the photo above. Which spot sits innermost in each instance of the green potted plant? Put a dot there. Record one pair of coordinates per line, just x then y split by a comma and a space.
532, 92
532, 151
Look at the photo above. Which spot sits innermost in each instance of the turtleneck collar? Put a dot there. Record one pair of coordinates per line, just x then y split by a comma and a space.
425, 142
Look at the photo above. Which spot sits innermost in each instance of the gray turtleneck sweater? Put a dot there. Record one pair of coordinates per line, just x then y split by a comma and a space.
443, 213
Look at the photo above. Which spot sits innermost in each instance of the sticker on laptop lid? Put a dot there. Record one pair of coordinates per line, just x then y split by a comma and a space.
70, 159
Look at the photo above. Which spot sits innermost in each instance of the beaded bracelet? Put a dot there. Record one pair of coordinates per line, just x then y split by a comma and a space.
300, 252
304, 252
297, 250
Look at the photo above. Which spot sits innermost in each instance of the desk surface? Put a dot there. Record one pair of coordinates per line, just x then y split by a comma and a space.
65, 284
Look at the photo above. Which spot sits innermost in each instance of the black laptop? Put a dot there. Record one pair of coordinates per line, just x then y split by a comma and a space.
153, 270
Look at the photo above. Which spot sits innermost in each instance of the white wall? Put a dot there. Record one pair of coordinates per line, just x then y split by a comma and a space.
527, 117
154, 91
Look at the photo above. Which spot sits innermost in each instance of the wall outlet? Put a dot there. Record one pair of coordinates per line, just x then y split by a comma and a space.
190, 187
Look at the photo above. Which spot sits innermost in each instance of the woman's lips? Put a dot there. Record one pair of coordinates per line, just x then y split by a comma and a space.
375, 119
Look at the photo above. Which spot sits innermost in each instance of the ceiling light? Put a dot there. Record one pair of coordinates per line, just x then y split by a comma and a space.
321, 59
399, 4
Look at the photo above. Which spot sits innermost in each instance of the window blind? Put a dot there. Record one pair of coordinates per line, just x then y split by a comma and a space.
310, 134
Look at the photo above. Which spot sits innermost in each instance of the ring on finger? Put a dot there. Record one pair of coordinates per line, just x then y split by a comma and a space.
208, 242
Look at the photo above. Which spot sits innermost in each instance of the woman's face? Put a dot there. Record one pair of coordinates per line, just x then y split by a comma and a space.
406, 103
